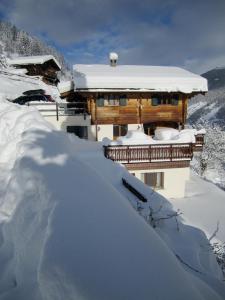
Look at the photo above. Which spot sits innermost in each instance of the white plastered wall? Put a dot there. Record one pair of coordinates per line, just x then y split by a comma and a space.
174, 181
133, 126
104, 131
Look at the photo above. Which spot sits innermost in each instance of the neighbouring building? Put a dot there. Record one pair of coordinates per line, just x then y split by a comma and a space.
45, 66
113, 101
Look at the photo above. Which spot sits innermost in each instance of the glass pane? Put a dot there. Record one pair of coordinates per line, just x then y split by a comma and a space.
116, 131
123, 100
123, 130
155, 100
100, 102
175, 99
154, 180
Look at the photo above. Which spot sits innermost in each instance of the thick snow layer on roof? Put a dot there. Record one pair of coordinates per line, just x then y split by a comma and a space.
68, 229
141, 78
162, 136
30, 60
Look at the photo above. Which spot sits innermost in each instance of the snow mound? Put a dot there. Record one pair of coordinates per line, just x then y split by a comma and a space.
165, 134
162, 136
68, 229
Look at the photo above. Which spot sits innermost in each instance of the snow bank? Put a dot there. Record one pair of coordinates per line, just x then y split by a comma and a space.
203, 206
162, 136
68, 229
165, 134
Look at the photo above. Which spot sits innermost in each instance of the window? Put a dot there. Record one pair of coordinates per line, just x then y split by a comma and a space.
100, 101
154, 180
80, 131
111, 100
165, 99
123, 100
119, 130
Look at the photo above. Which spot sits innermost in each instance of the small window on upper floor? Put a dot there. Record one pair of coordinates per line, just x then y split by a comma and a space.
111, 100
165, 99
100, 101
123, 100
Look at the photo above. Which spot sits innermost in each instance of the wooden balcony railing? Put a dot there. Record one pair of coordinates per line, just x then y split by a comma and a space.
199, 142
149, 153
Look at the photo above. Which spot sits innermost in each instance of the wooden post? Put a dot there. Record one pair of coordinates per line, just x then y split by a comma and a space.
171, 152
96, 118
57, 111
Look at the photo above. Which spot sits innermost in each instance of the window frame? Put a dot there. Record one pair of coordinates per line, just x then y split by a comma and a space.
165, 99
159, 179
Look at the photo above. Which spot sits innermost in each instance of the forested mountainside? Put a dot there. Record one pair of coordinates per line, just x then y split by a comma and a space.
216, 78
14, 42
208, 111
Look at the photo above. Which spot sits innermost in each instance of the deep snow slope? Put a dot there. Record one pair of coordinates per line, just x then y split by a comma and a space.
203, 206
208, 111
70, 230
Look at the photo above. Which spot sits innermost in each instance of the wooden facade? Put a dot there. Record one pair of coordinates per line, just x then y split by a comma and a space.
139, 109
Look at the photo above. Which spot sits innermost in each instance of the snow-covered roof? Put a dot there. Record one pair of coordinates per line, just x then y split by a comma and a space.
137, 78
30, 60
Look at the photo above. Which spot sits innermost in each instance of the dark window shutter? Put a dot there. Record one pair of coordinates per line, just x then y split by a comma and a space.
100, 102
155, 101
123, 101
175, 99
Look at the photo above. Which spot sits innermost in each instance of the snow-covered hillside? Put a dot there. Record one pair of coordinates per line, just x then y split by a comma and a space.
69, 229
208, 111
16, 42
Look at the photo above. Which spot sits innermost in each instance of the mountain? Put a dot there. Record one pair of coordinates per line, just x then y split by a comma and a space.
216, 78
16, 42
210, 107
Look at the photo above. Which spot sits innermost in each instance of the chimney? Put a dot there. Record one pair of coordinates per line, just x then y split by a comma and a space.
113, 57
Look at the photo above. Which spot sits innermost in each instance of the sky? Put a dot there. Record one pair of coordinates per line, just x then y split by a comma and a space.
189, 34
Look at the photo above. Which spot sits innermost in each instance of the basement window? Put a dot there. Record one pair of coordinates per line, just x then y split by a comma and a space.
154, 180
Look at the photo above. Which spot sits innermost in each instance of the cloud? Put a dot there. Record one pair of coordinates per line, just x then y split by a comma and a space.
173, 32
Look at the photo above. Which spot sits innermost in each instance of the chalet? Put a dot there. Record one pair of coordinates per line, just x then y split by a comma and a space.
139, 113
43, 65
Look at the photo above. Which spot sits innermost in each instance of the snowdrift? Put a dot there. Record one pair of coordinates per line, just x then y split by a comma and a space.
162, 136
69, 229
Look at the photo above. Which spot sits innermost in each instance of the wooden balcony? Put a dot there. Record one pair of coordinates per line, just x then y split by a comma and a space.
155, 155
149, 153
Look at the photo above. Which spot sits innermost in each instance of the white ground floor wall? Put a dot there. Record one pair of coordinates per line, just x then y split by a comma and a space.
174, 180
